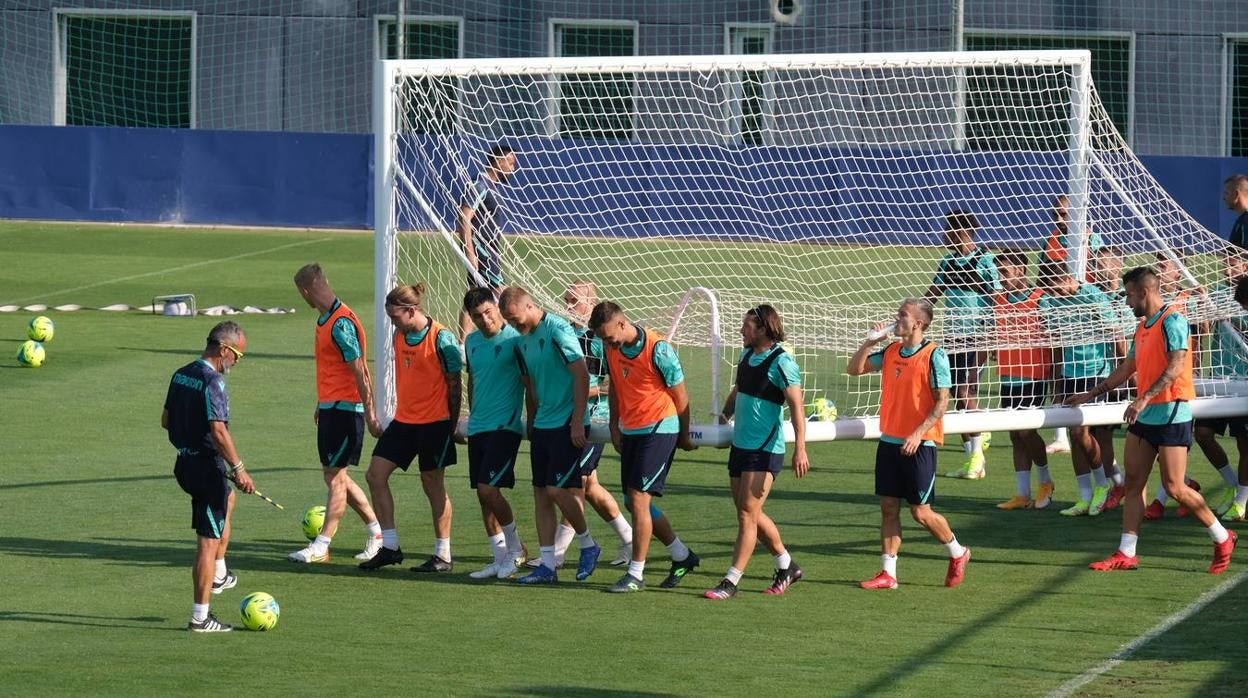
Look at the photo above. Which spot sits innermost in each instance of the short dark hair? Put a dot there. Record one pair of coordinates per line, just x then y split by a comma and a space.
767, 318
602, 314
1141, 276
1241, 290
1012, 258
476, 296
500, 151
959, 219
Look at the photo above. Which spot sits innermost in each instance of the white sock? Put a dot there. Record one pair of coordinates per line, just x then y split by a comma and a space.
1098, 476
498, 544
1241, 495
373, 528
513, 538
733, 575
976, 443
678, 549
1085, 486
320, 543
888, 563
1042, 473
1218, 532
955, 548
783, 560
1127, 545
220, 571
442, 548
1229, 476
584, 540
548, 556
967, 447
1117, 478
1162, 495
1060, 436
1022, 482
390, 538
622, 528
199, 612
636, 568
563, 538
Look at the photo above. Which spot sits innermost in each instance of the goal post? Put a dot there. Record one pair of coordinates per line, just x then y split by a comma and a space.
689, 189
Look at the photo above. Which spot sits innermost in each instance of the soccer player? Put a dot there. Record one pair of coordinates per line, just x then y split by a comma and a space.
427, 363
480, 227
1069, 311
197, 417
1024, 376
966, 278
649, 418
557, 383
1106, 270
1235, 195
344, 395
914, 393
767, 379
495, 426
1159, 419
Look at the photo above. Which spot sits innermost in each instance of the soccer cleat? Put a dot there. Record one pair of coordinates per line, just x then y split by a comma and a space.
1044, 495
1223, 502
626, 584
371, 546
883, 580
1117, 561
624, 555
957, 568
1018, 501
1114, 500
507, 568
385, 556
434, 565
209, 625
309, 555
985, 441
522, 557
490, 571
972, 468
541, 575
1080, 508
1154, 511
1099, 496
1235, 513
1058, 446
588, 562
1222, 554
679, 569
229, 582
722, 592
784, 579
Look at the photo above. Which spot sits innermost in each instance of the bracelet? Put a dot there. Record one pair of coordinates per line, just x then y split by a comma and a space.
234, 469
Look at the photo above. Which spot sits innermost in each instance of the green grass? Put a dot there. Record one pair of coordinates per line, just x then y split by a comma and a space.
95, 543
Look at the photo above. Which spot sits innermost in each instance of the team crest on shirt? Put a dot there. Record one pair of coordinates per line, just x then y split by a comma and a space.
897, 372
626, 372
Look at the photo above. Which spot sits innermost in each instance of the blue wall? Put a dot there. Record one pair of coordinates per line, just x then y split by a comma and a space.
325, 180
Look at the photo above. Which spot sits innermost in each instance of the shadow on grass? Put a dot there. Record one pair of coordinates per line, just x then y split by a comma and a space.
250, 354
585, 691
87, 620
168, 475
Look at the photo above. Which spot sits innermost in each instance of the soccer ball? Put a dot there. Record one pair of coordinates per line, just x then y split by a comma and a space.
822, 410
313, 519
260, 611
41, 329
31, 354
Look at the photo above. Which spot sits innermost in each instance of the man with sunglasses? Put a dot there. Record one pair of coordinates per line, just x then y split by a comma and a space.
197, 419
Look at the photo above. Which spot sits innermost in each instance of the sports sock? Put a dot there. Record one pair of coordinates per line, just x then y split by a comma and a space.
563, 538
622, 528
321, 543
373, 528
888, 563
1127, 545
1098, 476
1218, 532
1061, 436
513, 538
1117, 478
678, 549
1022, 482
733, 575
1241, 495
976, 444
1162, 495
585, 540
498, 545
442, 548
1085, 486
955, 548
966, 446
636, 568
1229, 476
199, 612
1042, 473
220, 571
548, 556
783, 560
390, 538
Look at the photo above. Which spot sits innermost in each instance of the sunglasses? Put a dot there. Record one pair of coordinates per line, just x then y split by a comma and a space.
238, 355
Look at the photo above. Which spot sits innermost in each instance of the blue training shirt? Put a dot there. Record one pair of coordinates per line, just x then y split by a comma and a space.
941, 376
497, 393
757, 423
196, 396
545, 354
1176, 331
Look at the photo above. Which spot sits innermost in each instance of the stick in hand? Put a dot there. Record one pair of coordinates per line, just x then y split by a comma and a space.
258, 493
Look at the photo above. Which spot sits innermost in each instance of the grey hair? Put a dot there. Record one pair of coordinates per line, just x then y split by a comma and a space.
925, 306
227, 332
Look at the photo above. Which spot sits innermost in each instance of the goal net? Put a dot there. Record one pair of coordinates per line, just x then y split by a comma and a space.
690, 189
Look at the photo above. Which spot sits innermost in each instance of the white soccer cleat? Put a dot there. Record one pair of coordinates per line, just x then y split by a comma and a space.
308, 555
371, 546
506, 569
488, 572
1058, 446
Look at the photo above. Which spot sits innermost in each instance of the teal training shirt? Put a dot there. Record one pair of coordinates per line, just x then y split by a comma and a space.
497, 393
967, 283
1078, 323
668, 365
757, 423
1176, 332
596, 409
1228, 358
941, 376
545, 354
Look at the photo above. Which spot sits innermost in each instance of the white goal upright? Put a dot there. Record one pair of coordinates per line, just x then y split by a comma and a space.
690, 189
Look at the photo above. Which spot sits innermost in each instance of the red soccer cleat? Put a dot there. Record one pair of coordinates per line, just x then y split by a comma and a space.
1154, 511
1183, 511
1117, 561
957, 569
1222, 554
883, 580
1116, 493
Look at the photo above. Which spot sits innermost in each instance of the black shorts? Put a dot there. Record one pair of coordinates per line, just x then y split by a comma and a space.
964, 368
1024, 395
742, 460
204, 479
492, 458
645, 460
1067, 387
1158, 435
554, 458
339, 437
1235, 427
402, 443
912, 478
590, 455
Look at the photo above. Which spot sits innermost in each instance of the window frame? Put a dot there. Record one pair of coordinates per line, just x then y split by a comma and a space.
1226, 127
734, 35
380, 22
554, 43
